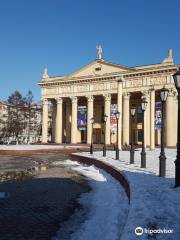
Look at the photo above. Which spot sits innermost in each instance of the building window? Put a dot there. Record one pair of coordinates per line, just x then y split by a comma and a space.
98, 69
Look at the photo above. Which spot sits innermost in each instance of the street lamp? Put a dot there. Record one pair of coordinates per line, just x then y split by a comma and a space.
176, 77
162, 157
117, 114
133, 111
91, 147
143, 153
104, 147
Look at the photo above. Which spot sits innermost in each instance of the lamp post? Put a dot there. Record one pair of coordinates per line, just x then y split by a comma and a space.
143, 153
162, 157
133, 111
91, 147
117, 114
176, 77
104, 147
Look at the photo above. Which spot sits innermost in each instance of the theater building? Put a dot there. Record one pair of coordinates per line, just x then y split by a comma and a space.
103, 87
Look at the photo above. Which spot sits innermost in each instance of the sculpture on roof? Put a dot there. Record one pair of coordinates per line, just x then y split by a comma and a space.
169, 58
45, 74
99, 48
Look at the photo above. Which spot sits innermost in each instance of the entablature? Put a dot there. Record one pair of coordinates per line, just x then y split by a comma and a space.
100, 88
108, 77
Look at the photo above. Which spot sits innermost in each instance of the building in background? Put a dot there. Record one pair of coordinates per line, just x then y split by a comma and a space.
31, 126
3, 119
102, 86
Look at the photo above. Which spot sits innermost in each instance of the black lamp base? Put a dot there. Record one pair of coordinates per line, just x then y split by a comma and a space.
143, 159
132, 156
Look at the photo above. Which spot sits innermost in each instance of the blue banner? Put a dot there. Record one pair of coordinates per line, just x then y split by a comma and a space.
82, 118
158, 115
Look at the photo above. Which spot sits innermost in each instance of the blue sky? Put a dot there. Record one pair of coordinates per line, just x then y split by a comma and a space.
63, 34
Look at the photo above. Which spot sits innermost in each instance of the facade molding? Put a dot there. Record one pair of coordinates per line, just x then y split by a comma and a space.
126, 95
90, 98
45, 101
74, 99
149, 72
59, 100
107, 97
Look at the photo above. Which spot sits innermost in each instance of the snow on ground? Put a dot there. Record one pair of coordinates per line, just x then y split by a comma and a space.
33, 147
105, 208
154, 200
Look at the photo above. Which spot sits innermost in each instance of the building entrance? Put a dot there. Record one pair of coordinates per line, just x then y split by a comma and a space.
83, 136
97, 135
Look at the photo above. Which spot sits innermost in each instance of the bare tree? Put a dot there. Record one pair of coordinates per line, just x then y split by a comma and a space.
30, 112
23, 118
15, 121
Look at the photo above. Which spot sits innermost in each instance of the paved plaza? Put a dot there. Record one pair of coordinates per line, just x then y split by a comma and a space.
36, 207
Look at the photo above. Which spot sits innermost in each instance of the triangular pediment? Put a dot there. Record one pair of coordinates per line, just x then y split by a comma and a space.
99, 67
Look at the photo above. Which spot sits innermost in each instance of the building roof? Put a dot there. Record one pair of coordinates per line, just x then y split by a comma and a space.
101, 67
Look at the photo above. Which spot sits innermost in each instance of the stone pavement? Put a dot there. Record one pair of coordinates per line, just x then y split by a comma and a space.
35, 208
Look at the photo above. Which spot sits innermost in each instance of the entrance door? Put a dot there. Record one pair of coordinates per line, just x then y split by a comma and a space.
83, 136
139, 136
97, 135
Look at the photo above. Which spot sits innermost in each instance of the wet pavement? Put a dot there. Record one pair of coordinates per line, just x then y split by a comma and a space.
36, 207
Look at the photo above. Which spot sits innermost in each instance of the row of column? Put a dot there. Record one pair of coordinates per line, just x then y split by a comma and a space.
58, 119
170, 119
123, 105
149, 119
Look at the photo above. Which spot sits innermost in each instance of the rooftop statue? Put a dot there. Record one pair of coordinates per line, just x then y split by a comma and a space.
99, 48
45, 74
169, 58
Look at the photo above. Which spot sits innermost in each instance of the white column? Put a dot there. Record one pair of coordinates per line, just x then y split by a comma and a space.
158, 136
171, 119
107, 111
74, 120
45, 121
146, 121
125, 126
152, 119
89, 116
119, 106
58, 134
54, 110
68, 124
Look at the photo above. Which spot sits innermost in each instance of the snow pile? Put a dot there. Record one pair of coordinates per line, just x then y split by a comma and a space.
152, 161
154, 200
105, 208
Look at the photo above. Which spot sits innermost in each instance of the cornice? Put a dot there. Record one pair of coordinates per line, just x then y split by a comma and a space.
163, 69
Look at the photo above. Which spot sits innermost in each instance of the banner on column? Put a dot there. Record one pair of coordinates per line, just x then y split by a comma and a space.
82, 118
158, 115
113, 120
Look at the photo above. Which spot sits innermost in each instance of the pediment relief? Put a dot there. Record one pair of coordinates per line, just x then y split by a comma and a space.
98, 68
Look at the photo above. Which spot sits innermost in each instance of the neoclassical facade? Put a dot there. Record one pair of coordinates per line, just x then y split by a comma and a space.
102, 86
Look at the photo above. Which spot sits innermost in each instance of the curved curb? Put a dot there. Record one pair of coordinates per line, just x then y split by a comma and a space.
108, 168
41, 151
